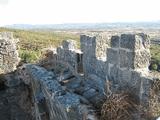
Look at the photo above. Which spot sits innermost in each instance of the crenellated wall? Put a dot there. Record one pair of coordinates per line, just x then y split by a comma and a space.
121, 59
125, 63
68, 94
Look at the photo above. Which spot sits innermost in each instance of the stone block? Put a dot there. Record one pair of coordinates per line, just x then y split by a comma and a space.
127, 41
8, 52
115, 41
112, 56
83, 38
146, 85
142, 59
11, 80
135, 41
134, 60
126, 59
88, 46
69, 44
124, 78
142, 41
101, 69
102, 41
135, 84
113, 74
91, 41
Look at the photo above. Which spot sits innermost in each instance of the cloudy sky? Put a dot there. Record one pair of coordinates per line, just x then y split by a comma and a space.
77, 11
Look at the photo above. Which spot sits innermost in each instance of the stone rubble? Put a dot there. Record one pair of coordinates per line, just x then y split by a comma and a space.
46, 86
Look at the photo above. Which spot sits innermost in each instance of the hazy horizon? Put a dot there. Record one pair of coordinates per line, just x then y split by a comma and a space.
37, 12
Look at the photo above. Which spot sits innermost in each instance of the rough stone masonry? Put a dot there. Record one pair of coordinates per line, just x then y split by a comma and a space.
15, 102
8, 53
60, 90
121, 59
126, 63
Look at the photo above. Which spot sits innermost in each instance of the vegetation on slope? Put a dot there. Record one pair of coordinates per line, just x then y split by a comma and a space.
155, 59
31, 42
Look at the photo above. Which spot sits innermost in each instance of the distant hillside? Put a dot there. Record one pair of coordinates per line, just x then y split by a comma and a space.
148, 25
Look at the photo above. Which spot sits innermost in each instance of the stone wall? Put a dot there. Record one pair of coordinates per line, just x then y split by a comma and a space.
15, 102
51, 100
94, 48
8, 52
45, 88
125, 65
67, 58
67, 53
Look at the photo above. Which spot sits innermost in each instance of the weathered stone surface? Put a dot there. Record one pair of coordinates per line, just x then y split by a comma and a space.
112, 56
8, 52
69, 100
46, 78
101, 69
69, 56
124, 77
94, 49
88, 45
143, 41
69, 44
73, 83
83, 40
15, 104
102, 42
126, 59
61, 104
93, 89
142, 59
12, 80
135, 83
127, 41
113, 74
115, 41
135, 41
146, 87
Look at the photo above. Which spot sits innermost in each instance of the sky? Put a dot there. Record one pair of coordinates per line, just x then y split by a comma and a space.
77, 11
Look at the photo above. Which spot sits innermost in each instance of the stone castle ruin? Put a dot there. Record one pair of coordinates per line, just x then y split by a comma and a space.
69, 84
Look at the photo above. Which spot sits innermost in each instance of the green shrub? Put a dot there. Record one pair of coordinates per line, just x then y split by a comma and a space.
154, 66
29, 56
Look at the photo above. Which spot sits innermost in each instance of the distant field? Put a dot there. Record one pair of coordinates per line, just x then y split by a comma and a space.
31, 43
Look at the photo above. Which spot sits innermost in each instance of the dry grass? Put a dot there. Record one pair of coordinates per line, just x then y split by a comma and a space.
154, 103
118, 107
124, 106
